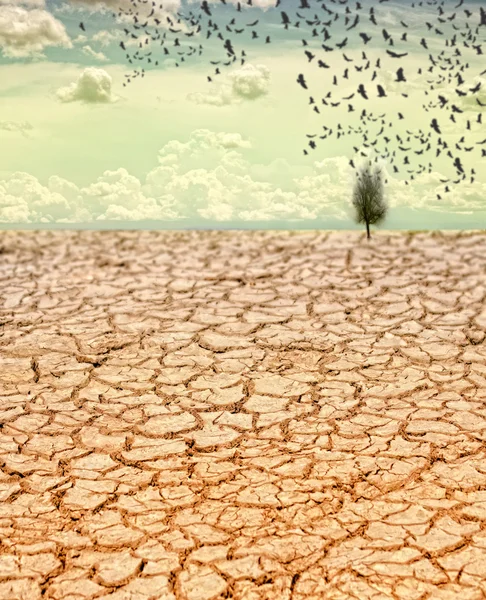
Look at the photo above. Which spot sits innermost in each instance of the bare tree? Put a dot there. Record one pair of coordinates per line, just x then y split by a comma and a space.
368, 197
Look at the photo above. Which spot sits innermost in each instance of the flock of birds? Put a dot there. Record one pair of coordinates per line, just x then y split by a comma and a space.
145, 27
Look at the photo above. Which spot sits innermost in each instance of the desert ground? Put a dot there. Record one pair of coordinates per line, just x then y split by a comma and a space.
260, 415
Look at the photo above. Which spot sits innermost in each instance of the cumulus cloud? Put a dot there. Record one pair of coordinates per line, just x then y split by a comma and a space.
247, 83
27, 32
93, 54
24, 199
80, 39
207, 177
105, 37
92, 86
250, 81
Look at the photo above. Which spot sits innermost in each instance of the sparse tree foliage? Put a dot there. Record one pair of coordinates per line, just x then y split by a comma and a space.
368, 197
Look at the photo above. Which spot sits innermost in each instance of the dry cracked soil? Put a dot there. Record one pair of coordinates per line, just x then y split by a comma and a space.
249, 415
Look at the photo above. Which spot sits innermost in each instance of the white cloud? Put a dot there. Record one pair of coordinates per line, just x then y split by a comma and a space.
92, 86
93, 54
247, 83
80, 39
251, 81
24, 199
207, 177
105, 37
27, 32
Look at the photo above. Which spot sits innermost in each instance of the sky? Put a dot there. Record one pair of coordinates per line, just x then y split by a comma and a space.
174, 150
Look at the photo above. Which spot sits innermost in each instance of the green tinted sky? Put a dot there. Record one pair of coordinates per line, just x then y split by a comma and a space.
173, 149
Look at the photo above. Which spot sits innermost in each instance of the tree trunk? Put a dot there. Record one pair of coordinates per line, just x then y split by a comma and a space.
368, 230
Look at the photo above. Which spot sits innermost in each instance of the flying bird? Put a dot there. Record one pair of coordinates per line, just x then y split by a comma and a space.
400, 75
362, 91
395, 55
435, 126
301, 81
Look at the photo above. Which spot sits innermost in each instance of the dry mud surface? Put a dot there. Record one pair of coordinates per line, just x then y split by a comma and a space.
247, 415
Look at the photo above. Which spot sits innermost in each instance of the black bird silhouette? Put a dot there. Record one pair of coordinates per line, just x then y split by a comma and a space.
347, 59
458, 165
395, 55
435, 126
342, 44
356, 21
483, 15
285, 19
424, 43
362, 91
381, 92
205, 7
309, 55
323, 65
400, 75
366, 38
301, 81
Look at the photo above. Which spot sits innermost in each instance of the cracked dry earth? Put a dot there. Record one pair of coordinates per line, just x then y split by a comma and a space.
247, 415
